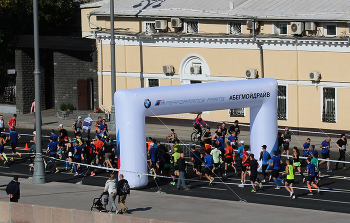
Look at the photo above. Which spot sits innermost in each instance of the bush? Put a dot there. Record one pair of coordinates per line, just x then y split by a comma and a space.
70, 106
63, 107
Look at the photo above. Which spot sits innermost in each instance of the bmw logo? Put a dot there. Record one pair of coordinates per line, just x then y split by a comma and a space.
147, 103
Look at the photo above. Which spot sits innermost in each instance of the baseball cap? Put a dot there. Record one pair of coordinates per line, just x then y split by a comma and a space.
152, 144
34, 133
242, 142
60, 125
79, 117
264, 146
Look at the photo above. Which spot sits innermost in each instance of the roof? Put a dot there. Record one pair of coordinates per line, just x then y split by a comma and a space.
317, 10
94, 4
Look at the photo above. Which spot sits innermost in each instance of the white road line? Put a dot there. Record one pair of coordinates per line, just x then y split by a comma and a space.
305, 198
212, 188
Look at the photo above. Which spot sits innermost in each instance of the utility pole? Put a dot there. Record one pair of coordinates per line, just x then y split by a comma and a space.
113, 81
39, 173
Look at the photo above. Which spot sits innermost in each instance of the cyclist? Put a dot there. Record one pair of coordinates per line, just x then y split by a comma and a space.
197, 125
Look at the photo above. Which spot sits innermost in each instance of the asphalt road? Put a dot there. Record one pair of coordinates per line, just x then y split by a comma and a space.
336, 200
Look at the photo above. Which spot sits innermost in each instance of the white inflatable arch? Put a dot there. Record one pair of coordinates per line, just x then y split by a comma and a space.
133, 105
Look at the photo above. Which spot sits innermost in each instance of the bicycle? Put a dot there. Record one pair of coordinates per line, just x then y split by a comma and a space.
195, 137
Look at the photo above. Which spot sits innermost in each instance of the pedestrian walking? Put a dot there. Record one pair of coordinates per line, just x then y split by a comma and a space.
110, 187
13, 189
123, 190
2, 124
181, 164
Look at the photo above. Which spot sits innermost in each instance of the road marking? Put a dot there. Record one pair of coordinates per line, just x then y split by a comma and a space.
212, 188
305, 198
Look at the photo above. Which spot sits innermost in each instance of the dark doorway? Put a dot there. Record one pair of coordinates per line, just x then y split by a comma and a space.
85, 94
47, 64
195, 82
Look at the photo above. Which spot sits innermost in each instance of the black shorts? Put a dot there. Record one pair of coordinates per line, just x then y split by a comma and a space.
209, 170
285, 147
216, 165
310, 178
275, 173
290, 181
77, 160
325, 155
253, 178
154, 165
198, 166
229, 160
244, 168
53, 155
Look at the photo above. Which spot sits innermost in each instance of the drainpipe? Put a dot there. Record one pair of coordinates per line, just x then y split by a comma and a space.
101, 81
261, 51
99, 28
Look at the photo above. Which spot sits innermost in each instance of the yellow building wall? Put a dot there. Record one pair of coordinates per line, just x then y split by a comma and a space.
281, 65
212, 26
343, 108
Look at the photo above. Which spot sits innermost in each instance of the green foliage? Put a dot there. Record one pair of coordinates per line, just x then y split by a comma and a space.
70, 106
63, 107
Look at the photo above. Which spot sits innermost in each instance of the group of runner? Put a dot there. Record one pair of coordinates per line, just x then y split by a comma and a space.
12, 138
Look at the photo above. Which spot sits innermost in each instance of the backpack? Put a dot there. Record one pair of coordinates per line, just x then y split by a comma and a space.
125, 188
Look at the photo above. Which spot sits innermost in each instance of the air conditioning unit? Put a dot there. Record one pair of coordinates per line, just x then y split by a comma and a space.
310, 26
251, 73
250, 24
296, 28
196, 69
161, 24
314, 76
176, 23
168, 69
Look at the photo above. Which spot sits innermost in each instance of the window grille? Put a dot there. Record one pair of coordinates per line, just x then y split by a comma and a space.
191, 27
235, 28
282, 103
153, 82
328, 113
237, 112
331, 30
150, 28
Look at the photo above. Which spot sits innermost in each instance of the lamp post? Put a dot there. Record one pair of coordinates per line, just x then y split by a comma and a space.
39, 173
113, 81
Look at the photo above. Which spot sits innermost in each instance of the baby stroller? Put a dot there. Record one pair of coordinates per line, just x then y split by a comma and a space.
100, 203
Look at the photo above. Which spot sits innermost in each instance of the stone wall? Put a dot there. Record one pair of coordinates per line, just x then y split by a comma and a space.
17, 212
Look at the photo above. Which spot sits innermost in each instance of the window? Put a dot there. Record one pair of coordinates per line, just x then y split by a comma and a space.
328, 111
196, 82
150, 28
153, 82
282, 103
235, 28
283, 28
330, 29
191, 27
237, 112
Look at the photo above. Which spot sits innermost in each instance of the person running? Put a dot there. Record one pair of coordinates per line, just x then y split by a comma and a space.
286, 140
289, 179
108, 149
172, 136
310, 169
306, 149
245, 164
229, 159
296, 162
12, 122
313, 150
87, 125
325, 145
341, 144
314, 160
2, 146
233, 139
175, 157
104, 127
216, 153
220, 144
198, 125
264, 157
152, 153
209, 161
253, 167
52, 149
197, 162
2, 124
13, 137
77, 157
63, 136
275, 163
223, 130
235, 128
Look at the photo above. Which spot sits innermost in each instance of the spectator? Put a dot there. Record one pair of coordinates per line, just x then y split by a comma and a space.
77, 126
2, 124
110, 187
123, 190
87, 125
182, 168
13, 190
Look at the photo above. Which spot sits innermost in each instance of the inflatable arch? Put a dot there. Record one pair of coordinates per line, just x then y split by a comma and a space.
133, 105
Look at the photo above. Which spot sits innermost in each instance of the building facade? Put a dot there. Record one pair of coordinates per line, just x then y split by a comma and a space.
304, 45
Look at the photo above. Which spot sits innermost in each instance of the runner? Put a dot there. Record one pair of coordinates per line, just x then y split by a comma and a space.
209, 161
12, 122
240, 152
229, 160
233, 139
253, 166
290, 179
276, 162
314, 160
310, 169
172, 136
152, 153
52, 149
341, 144
197, 162
235, 128
208, 137
245, 164
264, 157
306, 150
215, 153
77, 158
13, 137
2, 144
296, 162
175, 157
223, 130
313, 150
104, 128
325, 145
286, 140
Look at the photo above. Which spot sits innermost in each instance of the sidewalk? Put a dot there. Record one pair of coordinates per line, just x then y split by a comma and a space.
165, 206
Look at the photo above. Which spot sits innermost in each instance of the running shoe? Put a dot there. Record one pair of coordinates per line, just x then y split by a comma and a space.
293, 197
5, 163
318, 190
260, 185
173, 178
71, 170
253, 191
304, 180
277, 188
263, 181
173, 183
76, 174
310, 194
224, 175
282, 182
92, 174
234, 163
12, 159
155, 176
211, 181
240, 185
20, 155
45, 165
66, 168
329, 170
57, 171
